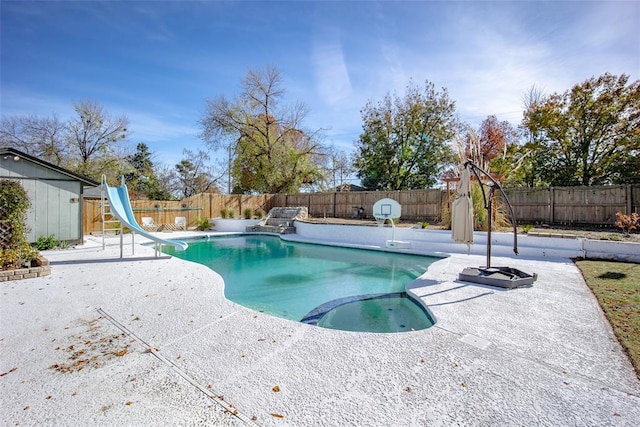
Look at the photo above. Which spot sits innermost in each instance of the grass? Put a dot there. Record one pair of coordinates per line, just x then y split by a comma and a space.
616, 285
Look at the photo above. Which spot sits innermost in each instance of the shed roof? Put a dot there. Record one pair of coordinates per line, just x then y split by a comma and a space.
13, 152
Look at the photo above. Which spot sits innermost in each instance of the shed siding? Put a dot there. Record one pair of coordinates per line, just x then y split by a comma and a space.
55, 199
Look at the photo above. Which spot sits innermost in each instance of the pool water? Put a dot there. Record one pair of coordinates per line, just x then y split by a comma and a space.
381, 314
289, 280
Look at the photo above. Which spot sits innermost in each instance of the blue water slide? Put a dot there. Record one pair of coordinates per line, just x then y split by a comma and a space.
121, 208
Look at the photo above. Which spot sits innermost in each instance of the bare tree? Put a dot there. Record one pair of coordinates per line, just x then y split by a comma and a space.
93, 137
530, 100
195, 175
42, 137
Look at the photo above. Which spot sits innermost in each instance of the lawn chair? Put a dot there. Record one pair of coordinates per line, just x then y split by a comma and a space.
149, 224
181, 223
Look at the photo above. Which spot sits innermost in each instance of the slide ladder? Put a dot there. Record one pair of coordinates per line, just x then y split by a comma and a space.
116, 204
108, 219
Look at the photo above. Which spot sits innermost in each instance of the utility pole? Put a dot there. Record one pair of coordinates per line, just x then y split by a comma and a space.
229, 172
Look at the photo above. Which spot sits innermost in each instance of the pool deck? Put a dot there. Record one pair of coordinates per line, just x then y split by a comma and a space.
539, 355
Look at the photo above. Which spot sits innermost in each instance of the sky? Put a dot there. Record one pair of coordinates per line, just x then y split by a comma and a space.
157, 62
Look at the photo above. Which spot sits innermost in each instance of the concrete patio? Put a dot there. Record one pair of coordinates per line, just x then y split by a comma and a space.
147, 341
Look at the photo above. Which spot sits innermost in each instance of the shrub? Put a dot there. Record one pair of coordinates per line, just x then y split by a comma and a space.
224, 213
45, 243
248, 213
259, 213
527, 228
16, 250
202, 223
627, 223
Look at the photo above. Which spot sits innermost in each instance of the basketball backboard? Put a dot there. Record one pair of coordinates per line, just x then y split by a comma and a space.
386, 208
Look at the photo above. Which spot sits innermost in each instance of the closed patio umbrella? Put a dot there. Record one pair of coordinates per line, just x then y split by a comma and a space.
462, 212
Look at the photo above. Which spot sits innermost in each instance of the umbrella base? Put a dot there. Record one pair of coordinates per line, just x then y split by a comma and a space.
504, 277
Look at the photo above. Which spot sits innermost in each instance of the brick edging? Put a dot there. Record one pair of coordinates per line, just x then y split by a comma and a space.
27, 273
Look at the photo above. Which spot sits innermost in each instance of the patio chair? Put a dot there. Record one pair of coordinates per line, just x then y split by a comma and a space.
181, 223
149, 224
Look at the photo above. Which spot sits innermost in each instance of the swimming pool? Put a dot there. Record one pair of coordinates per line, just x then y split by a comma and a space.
290, 280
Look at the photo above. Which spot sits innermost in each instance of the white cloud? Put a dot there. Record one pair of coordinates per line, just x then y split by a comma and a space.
331, 75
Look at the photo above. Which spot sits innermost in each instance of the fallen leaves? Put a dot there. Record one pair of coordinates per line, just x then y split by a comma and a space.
276, 388
120, 353
274, 415
91, 349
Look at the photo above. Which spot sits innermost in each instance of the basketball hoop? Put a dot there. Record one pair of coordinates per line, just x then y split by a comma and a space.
381, 220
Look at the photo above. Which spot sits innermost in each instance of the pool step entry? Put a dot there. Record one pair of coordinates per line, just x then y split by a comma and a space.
280, 220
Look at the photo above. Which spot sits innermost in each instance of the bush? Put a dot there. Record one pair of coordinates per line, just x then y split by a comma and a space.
16, 251
527, 228
46, 243
627, 223
259, 213
202, 224
248, 213
227, 213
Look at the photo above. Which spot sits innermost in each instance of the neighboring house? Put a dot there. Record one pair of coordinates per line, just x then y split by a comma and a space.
348, 188
54, 192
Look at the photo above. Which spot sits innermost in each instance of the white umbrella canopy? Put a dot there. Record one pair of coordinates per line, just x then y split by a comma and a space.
462, 212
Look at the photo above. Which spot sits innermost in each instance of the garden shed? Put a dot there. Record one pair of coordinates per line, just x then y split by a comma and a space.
54, 192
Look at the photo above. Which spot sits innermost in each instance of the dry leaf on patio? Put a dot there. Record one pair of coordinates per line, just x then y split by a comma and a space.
277, 415
276, 388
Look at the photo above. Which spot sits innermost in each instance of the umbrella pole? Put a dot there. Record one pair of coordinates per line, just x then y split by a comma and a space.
490, 220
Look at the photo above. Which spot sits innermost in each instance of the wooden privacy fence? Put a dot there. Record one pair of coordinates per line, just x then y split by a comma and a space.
202, 205
574, 205
548, 205
417, 205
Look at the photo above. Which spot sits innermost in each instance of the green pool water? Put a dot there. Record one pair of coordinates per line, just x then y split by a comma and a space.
289, 280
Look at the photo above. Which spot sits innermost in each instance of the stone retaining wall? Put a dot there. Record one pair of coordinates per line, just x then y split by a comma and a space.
27, 273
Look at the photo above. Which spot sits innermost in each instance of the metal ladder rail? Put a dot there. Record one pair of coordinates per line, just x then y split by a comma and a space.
105, 211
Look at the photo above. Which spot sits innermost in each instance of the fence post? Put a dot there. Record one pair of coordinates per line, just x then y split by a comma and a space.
334, 204
629, 197
552, 205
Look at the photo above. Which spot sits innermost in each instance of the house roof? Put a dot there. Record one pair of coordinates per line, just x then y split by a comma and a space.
13, 152
348, 187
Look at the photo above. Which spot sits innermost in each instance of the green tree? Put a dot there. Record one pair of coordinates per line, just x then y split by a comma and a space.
589, 135
404, 143
142, 180
93, 138
271, 151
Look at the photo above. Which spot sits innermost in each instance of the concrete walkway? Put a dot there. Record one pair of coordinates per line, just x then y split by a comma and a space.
542, 355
